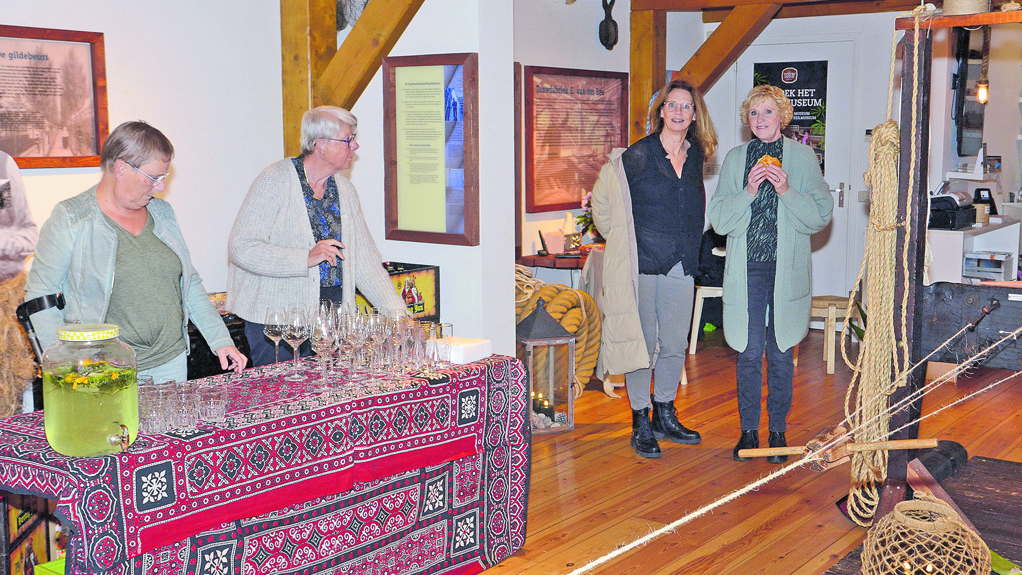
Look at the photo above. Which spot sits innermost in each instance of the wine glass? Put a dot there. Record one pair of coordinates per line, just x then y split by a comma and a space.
322, 337
296, 331
273, 328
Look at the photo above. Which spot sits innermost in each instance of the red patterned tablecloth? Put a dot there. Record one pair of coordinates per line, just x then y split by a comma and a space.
423, 476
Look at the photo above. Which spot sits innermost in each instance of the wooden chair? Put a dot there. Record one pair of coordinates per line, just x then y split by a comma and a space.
830, 309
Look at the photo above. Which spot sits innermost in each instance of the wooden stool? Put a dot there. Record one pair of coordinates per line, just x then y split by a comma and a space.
702, 292
831, 308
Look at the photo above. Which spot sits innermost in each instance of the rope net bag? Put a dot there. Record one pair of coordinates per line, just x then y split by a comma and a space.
923, 537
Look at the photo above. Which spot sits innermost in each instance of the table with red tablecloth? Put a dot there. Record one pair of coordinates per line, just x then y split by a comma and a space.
412, 475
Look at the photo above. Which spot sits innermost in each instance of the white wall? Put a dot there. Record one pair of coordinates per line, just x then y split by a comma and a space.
211, 83
552, 33
208, 75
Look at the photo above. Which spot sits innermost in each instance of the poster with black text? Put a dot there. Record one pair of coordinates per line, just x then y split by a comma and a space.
805, 85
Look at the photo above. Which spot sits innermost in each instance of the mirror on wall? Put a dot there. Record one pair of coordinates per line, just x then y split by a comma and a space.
968, 112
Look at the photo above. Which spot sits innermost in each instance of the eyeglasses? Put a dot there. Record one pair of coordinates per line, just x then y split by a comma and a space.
350, 139
154, 179
683, 106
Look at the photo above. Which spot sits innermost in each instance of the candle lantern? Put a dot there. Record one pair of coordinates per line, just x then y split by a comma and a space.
548, 352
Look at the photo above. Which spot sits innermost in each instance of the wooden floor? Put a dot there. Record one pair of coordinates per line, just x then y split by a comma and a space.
591, 494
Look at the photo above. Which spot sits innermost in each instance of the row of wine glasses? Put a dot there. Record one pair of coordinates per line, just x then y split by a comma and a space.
356, 346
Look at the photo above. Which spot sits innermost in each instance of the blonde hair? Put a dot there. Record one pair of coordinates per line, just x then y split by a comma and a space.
704, 135
775, 95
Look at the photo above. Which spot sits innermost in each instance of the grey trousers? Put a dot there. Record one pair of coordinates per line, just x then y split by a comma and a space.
665, 312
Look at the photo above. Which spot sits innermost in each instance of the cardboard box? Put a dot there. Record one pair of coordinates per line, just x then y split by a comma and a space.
418, 285
29, 533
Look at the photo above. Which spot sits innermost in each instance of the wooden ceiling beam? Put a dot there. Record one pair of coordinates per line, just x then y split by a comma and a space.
726, 44
802, 10
308, 39
981, 19
702, 5
648, 66
361, 55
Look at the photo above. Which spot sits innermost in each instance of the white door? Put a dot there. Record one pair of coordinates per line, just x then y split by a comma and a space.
837, 250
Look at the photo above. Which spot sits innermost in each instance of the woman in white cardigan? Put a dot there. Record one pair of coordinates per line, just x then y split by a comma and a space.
300, 235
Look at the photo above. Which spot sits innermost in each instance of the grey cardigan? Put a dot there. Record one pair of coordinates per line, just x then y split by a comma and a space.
803, 210
270, 242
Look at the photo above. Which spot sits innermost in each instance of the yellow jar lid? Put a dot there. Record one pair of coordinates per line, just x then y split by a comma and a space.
88, 332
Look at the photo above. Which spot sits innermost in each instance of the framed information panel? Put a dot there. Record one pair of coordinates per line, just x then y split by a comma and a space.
53, 106
431, 148
573, 119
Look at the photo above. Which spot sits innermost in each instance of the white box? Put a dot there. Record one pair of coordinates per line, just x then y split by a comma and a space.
467, 350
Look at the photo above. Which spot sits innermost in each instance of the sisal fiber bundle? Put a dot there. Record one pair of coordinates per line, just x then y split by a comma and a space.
923, 537
957, 7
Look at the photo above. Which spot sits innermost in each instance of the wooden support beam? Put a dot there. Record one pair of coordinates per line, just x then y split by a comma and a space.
361, 55
698, 5
982, 19
308, 39
827, 9
648, 67
726, 44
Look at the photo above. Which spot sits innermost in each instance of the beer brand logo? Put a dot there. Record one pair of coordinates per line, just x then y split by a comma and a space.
789, 75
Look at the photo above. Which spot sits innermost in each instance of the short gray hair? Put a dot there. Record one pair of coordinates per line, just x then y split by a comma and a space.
136, 143
324, 122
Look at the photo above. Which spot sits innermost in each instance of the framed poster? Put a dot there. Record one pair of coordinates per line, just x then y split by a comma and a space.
53, 108
431, 148
573, 119
805, 85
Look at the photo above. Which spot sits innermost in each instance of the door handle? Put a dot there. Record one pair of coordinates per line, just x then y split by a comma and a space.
840, 195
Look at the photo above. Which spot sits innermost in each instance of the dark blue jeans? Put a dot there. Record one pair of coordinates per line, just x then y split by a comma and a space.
780, 366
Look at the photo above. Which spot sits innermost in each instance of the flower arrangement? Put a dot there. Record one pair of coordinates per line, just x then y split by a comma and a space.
585, 220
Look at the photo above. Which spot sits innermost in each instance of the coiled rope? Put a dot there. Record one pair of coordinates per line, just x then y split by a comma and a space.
577, 313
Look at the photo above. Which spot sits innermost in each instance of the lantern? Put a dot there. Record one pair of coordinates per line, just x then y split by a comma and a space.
548, 352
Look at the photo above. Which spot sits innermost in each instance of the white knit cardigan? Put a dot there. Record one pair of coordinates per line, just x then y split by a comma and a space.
270, 242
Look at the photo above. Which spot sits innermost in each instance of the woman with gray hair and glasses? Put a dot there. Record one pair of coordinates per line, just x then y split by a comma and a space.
117, 254
300, 235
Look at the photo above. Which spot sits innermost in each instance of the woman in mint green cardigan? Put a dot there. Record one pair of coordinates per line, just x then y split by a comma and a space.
768, 211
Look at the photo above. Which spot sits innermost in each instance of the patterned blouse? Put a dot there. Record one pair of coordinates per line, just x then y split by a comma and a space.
762, 234
325, 219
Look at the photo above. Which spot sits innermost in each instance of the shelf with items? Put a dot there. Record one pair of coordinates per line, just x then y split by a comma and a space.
948, 249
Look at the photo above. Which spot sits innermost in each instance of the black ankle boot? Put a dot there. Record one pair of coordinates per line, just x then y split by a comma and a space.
749, 440
643, 441
666, 424
777, 440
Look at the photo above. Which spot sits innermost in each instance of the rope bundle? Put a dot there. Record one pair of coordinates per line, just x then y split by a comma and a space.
575, 310
17, 370
923, 537
877, 372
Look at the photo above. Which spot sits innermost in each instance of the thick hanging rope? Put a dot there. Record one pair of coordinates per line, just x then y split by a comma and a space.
878, 359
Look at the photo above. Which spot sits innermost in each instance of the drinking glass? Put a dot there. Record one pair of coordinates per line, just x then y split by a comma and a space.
273, 328
432, 340
322, 337
296, 331
165, 403
148, 408
186, 407
213, 403
445, 339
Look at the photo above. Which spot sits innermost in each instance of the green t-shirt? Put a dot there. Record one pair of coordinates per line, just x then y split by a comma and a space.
146, 297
